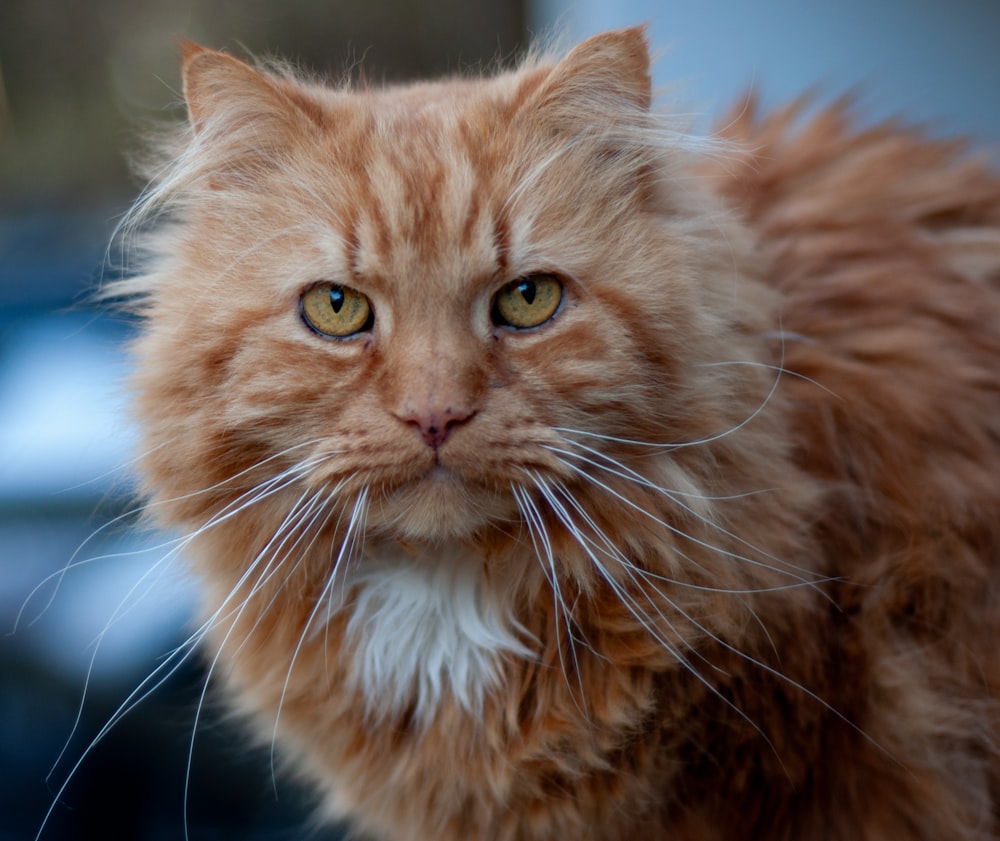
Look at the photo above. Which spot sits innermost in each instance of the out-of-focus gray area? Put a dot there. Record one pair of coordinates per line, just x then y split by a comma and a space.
86, 597
90, 604
930, 63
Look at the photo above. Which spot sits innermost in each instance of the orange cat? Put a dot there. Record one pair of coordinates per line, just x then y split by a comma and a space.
552, 475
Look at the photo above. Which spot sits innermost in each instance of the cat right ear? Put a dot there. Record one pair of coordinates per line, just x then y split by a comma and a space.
608, 74
241, 114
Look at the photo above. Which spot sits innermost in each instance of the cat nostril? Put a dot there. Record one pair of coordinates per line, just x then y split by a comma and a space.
436, 426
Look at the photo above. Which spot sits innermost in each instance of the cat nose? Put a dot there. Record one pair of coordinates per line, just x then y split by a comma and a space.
435, 424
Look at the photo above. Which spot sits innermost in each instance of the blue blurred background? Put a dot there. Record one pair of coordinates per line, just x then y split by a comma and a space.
77, 82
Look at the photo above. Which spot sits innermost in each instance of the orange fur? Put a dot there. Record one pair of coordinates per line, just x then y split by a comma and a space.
727, 523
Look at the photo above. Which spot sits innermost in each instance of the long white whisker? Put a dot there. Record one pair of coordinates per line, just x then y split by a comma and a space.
146, 687
535, 525
179, 655
315, 529
770, 669
355, 526
779, 370
351, 547
767, 366
588, 546
631, 570
176, 546
300, 511
72, 563
645, 619
635, 477
140, 692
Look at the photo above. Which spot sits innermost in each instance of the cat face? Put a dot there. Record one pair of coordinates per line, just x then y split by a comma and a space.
419, 296
473, 365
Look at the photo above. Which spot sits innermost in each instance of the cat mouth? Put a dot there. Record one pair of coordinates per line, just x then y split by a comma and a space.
439, 480
439, 504
440, 473
440, 470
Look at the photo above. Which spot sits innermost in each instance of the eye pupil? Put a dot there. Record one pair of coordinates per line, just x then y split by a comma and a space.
337, 298
527, 290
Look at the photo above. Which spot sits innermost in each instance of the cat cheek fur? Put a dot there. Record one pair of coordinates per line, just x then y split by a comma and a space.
708, 554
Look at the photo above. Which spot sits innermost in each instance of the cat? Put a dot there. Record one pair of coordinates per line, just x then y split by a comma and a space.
551, 473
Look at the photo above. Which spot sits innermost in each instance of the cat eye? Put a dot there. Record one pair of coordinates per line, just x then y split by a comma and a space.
334, 310
527, 302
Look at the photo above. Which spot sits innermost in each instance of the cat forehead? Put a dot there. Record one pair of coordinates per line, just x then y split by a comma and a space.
429, 172
441, 97
441, 110
454, 94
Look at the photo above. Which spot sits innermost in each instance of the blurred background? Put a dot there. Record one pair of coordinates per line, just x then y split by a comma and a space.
86, 600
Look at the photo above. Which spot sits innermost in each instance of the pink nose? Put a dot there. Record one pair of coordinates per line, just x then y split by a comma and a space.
435, 425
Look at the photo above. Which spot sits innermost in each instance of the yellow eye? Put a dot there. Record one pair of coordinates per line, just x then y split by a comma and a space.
527, 301
335, 310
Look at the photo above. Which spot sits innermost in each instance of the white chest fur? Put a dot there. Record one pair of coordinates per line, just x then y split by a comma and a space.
426, 626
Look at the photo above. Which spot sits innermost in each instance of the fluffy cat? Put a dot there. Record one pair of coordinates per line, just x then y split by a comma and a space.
550, 474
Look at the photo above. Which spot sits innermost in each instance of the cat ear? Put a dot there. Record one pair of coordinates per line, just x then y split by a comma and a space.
224, 92
244, 120
243, 117
609, 72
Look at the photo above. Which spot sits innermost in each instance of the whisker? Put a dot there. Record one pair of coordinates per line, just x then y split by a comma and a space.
641, 615
176, 658
355, 526
177, 546
145, 689
778, 566
779, 369
146, 507
644, 618
295, 517
535, 525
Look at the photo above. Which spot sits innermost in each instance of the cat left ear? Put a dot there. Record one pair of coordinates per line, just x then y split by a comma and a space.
232, 98
245, 118
223, 91
610, 71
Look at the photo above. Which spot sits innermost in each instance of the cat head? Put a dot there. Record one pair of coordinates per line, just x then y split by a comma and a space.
443, 305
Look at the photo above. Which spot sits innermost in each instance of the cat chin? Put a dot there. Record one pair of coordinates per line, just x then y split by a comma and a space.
457, 630
440, 507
